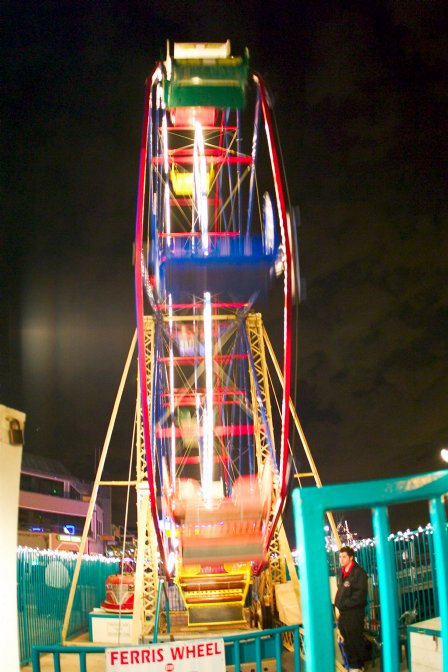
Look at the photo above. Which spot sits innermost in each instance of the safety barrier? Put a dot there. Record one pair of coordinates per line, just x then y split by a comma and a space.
253, 647
43, 584
310, 505
57, 650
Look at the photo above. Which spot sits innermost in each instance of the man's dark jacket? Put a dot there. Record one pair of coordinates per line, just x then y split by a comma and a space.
352, 589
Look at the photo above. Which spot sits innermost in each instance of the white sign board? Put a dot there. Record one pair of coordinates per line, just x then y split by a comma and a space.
194, 655
110, 629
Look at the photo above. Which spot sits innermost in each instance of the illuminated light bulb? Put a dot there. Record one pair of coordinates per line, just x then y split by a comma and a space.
207, 466
172, 404
166, 168
171, 562
444, 454
201, 186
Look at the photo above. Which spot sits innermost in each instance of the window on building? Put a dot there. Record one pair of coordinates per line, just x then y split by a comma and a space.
49, 522
74, 494
42, 485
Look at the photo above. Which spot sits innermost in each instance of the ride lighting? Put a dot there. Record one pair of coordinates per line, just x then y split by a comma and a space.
188, 116
444, 454
166, 169
201, 185
172, 405
207, 465
171, 562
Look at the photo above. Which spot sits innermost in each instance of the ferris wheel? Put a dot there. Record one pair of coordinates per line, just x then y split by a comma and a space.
212, 251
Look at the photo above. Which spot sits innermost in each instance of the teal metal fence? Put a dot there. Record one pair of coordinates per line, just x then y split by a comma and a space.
44, 576
413, 553
254, 647
56, 651
310, 505
43, 584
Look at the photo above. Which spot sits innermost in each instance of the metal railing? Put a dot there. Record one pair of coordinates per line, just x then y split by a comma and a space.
44, 576
310, 505
57, 650
253, 647
413, 552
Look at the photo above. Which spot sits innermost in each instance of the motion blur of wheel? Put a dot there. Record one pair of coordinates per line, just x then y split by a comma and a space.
212, 252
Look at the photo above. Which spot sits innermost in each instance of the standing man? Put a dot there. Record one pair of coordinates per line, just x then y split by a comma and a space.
351, 599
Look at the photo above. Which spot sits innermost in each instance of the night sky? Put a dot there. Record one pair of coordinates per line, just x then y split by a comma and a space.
360, 92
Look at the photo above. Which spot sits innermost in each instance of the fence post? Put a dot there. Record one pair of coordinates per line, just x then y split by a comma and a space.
35, 659
388, 591
438, 521
22, 589
318, 621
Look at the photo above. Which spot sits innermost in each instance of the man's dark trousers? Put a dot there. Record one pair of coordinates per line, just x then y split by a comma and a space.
351, 627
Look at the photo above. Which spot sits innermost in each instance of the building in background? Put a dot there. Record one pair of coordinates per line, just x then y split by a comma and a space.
53, 507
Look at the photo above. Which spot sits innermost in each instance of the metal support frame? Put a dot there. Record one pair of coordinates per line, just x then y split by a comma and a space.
276, 562
96, 485
254, 330
146, 575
